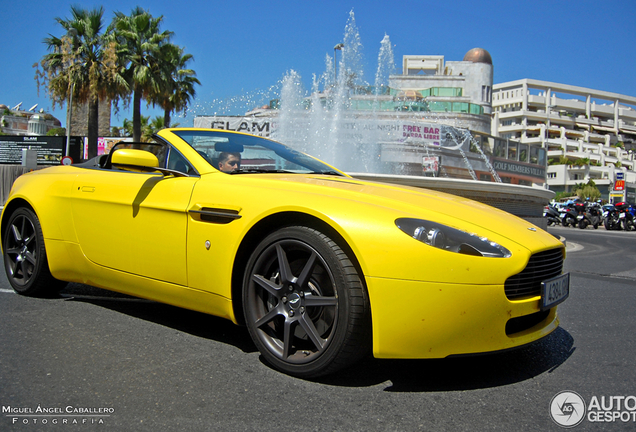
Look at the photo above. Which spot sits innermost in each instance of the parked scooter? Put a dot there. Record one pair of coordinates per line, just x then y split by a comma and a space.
627, 215
611, 219
591, 215
570, 213
551, 213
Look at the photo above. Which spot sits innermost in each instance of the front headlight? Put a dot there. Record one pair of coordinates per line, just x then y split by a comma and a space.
451, 239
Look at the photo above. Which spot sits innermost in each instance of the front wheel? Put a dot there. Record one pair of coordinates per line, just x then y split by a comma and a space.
305, 305
25, 259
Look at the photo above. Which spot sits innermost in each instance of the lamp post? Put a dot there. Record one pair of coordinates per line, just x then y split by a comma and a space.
69, 113
69, 109
335, 63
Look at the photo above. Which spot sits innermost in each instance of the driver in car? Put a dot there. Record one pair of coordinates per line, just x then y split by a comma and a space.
229, 162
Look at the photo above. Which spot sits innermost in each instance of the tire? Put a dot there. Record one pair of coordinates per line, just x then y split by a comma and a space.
305, 306
25, 259
582, 224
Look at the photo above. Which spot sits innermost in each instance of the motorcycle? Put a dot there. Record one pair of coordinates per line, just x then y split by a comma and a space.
627, 216
611, 218
591, 215
553, 215
570, 213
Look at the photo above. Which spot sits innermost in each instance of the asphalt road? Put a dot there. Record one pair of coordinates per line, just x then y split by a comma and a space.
119, 363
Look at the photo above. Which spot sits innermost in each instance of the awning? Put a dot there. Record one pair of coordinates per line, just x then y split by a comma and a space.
603, 128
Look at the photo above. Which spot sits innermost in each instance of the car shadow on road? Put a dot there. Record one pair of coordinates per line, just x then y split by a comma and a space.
184, 320
449, 374
461, 373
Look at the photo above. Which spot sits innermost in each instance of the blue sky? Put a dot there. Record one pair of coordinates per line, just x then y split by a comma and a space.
245, 48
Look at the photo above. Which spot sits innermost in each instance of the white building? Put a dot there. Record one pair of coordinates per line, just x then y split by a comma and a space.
27, 123
456, 93
589, 134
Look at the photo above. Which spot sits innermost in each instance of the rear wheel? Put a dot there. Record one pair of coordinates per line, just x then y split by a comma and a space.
25, 259
305, 305
583, 224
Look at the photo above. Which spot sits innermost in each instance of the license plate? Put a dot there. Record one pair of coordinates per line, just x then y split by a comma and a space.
622, 216
580, 217
554, 291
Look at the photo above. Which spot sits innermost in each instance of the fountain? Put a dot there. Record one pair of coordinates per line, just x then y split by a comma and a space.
376, 132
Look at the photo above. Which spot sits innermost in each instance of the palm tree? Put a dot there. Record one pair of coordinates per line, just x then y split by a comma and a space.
148, 127
152, 126
177, 86
138, 42
82, 66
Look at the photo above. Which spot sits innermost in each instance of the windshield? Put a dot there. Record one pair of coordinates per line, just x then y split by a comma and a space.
237, 154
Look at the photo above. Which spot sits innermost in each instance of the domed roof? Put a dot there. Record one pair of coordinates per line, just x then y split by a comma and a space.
478, 55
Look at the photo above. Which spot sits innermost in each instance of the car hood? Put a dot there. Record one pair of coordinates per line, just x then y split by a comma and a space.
406, 201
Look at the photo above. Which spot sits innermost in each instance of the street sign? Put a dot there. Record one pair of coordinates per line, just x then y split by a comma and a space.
619, 185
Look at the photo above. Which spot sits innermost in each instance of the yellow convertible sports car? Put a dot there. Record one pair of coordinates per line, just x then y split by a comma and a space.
320, 267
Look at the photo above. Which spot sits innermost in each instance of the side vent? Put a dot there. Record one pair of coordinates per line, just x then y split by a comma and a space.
215, 215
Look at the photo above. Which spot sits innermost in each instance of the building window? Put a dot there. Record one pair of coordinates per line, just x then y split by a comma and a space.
552, 175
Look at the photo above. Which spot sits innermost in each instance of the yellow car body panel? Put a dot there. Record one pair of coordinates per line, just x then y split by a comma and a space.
142, 215
146, 234
449, 319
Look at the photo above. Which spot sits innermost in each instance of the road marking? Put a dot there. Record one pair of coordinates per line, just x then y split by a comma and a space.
573, 247
6, 291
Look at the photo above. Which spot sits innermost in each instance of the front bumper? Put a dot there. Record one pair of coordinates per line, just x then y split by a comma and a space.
414, 319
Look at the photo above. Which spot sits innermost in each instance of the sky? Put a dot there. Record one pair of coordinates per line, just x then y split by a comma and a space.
243, 49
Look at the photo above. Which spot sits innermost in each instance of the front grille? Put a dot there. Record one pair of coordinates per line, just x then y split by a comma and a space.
541, 266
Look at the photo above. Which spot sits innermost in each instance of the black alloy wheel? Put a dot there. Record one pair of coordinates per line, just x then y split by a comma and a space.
25, 259
305, 305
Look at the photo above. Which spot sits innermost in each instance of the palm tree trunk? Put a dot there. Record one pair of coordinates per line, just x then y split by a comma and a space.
137, 116
93, 127
166, 118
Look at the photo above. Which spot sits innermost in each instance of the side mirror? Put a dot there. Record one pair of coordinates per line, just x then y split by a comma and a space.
134, 160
